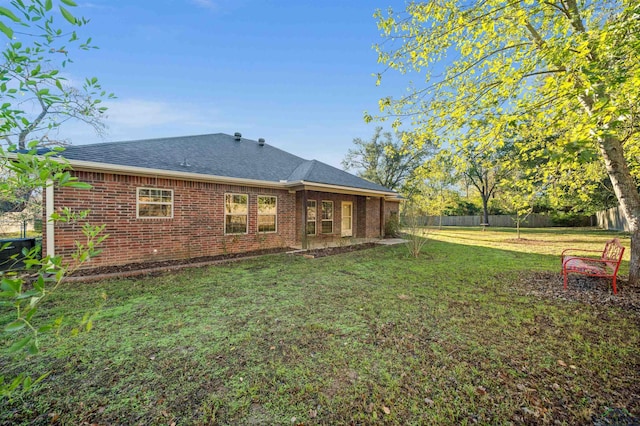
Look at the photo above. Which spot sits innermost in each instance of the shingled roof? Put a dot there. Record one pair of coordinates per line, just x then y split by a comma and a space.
218, 155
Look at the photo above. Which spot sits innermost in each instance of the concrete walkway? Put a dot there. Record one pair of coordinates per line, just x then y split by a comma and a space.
340, 242
391, 241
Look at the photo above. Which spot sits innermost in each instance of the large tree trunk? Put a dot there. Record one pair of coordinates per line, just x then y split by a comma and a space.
625, 189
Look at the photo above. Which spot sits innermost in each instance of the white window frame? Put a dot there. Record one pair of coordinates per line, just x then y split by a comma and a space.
275, 215
323, 220
161, 203
315, 220
246, 215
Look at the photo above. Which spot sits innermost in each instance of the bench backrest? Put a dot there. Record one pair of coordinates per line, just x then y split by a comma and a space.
613, 251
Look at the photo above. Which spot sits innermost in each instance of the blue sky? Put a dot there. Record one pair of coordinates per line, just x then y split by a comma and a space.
297, 73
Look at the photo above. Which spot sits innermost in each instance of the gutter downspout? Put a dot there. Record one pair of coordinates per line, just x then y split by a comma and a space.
50, 225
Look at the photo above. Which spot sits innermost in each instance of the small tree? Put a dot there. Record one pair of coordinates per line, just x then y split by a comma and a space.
30, 68
415, 234
438, 178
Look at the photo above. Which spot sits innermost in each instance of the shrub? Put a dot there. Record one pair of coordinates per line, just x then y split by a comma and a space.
392, 226
570, 219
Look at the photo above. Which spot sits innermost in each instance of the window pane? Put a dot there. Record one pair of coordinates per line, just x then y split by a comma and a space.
154, 210
266, 223
327, 227
311, 228
155, 202
235, 204
267, 205
311, 210
327, 210
236, 224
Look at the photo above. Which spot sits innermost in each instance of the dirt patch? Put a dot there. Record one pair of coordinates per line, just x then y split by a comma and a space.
330, 251
591, 290
172, 264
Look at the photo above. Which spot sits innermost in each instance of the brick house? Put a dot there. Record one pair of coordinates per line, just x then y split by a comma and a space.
196, 196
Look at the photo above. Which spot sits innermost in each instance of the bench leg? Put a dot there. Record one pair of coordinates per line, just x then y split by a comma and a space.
565, 278
615, 290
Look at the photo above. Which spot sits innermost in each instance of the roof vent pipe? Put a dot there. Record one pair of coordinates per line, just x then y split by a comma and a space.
261, 141
237, 136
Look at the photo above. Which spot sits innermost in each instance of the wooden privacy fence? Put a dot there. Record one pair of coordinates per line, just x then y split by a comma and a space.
612, 219
506, 221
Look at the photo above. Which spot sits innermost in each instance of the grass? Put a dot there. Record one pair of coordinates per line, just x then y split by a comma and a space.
365, 337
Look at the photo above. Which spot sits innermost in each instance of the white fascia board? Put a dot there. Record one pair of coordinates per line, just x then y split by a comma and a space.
325, 187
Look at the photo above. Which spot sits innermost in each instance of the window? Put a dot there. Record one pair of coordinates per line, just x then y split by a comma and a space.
267, 213
327, 217
311, 217
236, 208
154, 203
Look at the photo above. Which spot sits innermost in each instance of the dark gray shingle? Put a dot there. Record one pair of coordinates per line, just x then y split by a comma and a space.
217, 155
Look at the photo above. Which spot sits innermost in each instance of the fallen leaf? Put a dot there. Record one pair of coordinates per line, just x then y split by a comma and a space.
481, 390
573, 367
429, 401
555, 386
386, 409
273, 348
561, 363
313, 414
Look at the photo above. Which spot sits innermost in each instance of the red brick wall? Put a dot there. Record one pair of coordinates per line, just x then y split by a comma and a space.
196, 230
373, 217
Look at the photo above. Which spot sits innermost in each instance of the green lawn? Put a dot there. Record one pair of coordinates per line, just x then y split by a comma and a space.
365, 337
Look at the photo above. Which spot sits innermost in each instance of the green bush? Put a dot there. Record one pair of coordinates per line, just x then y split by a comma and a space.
570, 219
392, 226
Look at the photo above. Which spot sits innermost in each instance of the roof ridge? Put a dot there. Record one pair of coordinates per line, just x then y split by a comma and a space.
302, 171
146, 140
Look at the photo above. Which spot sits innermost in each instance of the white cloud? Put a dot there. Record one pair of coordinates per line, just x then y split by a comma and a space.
131, 119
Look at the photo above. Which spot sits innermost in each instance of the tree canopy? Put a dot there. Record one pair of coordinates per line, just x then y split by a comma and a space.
393, 164
36, 97
568, 70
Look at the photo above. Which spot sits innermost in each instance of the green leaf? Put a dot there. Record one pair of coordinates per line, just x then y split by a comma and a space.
48, 5
33, 348
19, 344
69, 3
6, 30
68, 16
14, 326
9, 14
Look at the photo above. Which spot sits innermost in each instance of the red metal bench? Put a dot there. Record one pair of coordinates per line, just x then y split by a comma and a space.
585, 263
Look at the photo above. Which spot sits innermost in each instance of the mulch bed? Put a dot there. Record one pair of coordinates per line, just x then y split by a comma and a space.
330, 251
141, 268
591, 290
173, 264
